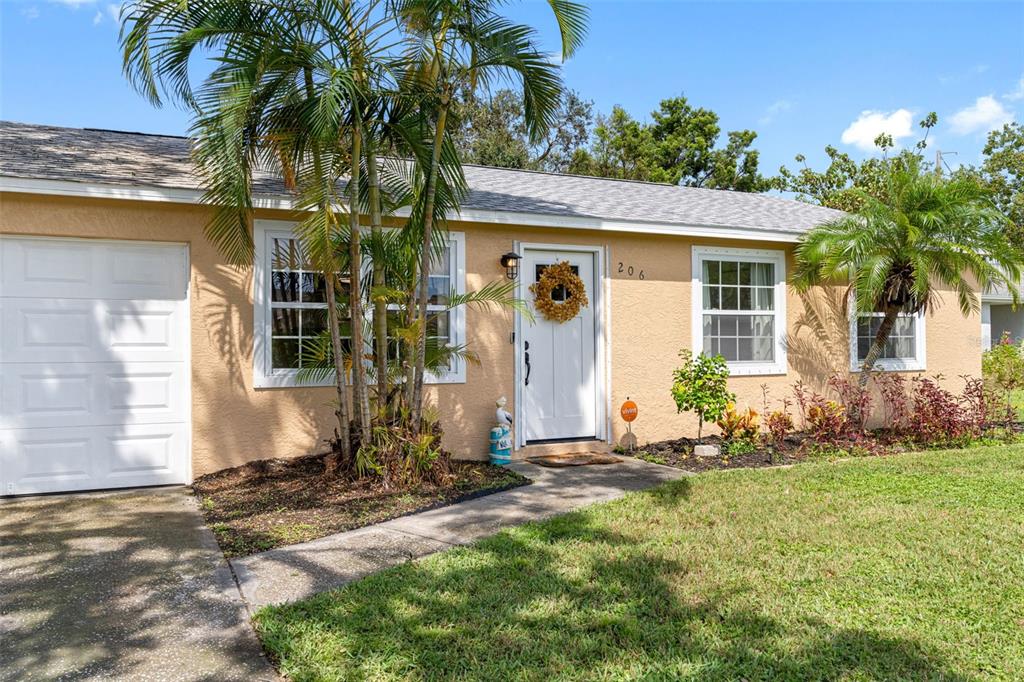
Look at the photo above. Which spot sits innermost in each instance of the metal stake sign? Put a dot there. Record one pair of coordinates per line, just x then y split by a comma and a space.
629, 412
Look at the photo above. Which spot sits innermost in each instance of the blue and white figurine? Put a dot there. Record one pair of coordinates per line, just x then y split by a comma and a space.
501, 435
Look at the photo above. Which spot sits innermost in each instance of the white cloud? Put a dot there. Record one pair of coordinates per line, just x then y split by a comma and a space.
31, 12
1017, 93
771, 113
74, 3
98, 18
987, 113
870, 124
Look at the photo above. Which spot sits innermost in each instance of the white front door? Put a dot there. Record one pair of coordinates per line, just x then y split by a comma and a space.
559, 371
94, 371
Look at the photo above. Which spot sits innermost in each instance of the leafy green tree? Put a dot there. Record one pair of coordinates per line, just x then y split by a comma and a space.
845, 181
621, 148
679, 146
493, 132
700, 385
1002, 172
917, 233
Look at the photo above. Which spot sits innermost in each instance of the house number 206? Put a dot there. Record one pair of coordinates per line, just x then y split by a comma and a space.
630, 271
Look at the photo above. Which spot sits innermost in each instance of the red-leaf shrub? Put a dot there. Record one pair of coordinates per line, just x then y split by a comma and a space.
893, 389
938, 417
856, 401
825, 420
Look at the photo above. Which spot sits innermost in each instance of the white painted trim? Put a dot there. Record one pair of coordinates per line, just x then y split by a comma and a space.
189, 196
919, 363
458, 314
609, 337
262, 374
519, 439
126, 192
188, 354
986, 326
602, 339
777, 258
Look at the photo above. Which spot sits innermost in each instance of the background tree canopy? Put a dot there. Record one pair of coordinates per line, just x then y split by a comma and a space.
684, 145
678, 146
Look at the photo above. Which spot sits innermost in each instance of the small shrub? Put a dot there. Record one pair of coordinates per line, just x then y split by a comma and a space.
982, 404
938, 417
739, 446
856, 401
1003, 368
650, 457
700, 385
778, 424
827, 420
893, 389
736, 425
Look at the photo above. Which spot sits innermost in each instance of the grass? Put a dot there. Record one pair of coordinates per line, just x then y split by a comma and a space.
908, 567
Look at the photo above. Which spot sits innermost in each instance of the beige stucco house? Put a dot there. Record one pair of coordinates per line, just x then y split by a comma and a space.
130, 354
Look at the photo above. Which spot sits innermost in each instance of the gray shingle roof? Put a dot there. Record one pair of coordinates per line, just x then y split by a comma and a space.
136, 159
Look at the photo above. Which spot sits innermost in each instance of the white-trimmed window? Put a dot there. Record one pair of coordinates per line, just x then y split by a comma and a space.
904, 349
739, 309
291, 306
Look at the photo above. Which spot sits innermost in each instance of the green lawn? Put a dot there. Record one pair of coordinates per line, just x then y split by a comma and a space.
908, 567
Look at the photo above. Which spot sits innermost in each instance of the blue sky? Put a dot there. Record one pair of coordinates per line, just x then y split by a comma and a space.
802, 75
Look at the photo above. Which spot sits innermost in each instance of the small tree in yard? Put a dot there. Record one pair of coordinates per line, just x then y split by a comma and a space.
1003, 368
918, 234
700, 386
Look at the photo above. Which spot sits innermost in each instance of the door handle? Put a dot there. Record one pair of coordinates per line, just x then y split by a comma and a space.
526, 345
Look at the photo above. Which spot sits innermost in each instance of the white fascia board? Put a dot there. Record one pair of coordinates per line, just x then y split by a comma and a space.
126, 192
187, 196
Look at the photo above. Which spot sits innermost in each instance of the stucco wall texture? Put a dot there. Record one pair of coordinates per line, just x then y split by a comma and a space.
233, 423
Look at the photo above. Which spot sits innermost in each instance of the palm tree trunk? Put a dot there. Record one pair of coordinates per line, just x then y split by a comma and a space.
878, 345
330, 274
340, 379
359, 394
380, 306
425, 258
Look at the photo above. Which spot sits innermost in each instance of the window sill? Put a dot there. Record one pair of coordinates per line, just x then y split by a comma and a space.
755, 369
893, 366
289, 380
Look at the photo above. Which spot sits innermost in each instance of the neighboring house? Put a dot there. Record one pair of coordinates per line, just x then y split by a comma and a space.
999, 317
130, 354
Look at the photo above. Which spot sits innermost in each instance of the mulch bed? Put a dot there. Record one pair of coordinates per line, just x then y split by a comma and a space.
271, 503
679, 454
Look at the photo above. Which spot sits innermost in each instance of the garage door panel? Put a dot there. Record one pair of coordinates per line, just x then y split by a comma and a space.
94, 371
47, 331
47, 268
83, 458
91, 394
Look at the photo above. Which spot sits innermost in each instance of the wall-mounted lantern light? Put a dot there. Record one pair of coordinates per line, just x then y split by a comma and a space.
510, 261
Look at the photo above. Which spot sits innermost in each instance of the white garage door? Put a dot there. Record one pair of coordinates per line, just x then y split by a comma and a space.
94, 371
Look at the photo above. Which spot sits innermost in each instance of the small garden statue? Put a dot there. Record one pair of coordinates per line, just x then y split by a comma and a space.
501, 434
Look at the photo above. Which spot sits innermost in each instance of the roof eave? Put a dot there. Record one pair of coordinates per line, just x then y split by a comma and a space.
486, 216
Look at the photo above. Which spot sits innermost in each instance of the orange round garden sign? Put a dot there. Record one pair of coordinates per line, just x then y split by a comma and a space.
629, 410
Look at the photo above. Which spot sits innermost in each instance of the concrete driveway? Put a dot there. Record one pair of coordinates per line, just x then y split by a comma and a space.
119, 586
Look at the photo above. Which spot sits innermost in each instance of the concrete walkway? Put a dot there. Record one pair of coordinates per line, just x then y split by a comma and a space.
299, 571
119, 586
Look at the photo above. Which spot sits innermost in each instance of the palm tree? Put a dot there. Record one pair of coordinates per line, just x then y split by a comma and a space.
918, 234
284, 97
458, 44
